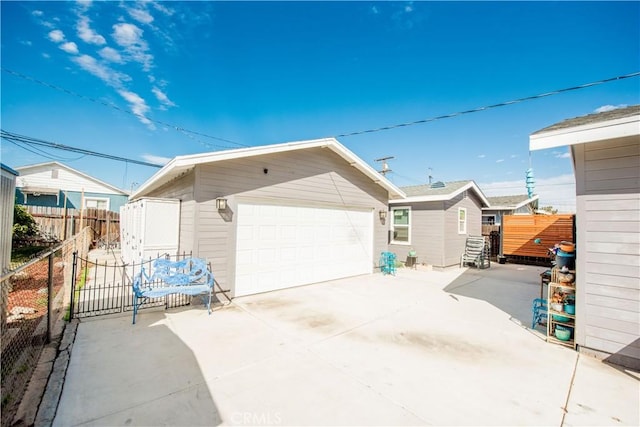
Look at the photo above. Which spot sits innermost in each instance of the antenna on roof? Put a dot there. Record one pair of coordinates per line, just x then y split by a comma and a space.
385, 165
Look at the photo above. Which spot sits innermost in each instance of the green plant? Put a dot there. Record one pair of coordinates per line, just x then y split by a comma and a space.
23, 223
80, 282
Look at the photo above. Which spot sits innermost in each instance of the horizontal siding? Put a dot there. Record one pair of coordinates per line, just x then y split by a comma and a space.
427, 234
454, 242
612, 167
608, 263
66, 180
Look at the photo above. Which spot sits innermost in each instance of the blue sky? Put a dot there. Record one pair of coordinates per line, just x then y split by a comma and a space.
257, 73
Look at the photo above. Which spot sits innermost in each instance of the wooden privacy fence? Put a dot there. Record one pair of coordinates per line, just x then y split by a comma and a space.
521, 231
61, 223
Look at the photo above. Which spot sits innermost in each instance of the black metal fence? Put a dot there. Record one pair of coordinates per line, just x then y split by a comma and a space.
103, 286
31, 305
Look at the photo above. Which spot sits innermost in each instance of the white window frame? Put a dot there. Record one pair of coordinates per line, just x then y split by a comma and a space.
393, 226
462, 225
97, 199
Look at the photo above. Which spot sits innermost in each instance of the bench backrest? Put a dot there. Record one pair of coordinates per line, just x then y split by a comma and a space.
184, 272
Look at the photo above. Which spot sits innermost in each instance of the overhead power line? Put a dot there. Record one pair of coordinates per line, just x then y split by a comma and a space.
181, 129
489, 107
17, 139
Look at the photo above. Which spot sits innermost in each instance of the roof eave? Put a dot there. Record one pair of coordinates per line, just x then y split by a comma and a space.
181, 164
597, 131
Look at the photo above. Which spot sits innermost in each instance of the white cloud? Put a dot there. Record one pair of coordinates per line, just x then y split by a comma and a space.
606, 108
130, 38
56, 36
162, 97
566, 155
159, 160
110, 54
70, 47
482, 156
558, 191
37, 13
161, 8
26, 42
513, 156
499, 160
46, 55
375, 10
138, 106
111, 77
87, 34
140, 13
127, 34
84, 4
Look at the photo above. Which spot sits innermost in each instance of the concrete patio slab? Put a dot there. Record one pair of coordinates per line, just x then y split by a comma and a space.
368, 350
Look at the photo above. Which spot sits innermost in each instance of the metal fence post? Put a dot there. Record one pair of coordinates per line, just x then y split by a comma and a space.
73, 284
50, 297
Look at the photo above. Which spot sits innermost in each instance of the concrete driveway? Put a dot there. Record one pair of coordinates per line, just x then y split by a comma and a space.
369, 350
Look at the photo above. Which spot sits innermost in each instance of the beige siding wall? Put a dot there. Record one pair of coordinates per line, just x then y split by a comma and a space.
454, 242
427, 233
608, 248
312, 177
434, 230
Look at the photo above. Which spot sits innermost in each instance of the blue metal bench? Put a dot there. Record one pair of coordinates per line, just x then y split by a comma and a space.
188, 276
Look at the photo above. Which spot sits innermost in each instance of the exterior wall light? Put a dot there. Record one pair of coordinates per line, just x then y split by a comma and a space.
221, 204
383, 215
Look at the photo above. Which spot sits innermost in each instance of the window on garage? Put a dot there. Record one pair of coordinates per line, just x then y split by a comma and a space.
401, 225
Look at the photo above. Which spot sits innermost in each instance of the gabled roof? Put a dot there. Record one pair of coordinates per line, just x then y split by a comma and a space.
182, 164
514, 202
25, 170
618, 123
439, 191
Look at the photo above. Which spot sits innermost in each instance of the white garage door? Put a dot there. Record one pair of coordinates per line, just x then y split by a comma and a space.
282, 246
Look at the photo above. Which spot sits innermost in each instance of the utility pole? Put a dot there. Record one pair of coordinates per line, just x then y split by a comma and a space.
430, 176
385, 165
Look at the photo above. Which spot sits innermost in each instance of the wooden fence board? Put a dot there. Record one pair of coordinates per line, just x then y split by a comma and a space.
51, 222
521, 231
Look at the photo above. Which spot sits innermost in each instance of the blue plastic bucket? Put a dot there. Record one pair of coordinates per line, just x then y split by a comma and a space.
565, 259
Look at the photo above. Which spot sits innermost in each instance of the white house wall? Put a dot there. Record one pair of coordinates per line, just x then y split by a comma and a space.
66, 180
608, 248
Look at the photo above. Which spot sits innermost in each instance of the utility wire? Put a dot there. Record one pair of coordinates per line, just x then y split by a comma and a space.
488, 107
185, 131
15, 138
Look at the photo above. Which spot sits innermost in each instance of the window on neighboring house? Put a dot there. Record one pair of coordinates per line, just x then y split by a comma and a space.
401, 225
488, 219
462, 220
94, 203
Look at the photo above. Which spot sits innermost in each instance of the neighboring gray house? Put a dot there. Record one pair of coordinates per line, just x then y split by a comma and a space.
7, 198
500, 206
605, 148
435, 220
278, 216
48, 184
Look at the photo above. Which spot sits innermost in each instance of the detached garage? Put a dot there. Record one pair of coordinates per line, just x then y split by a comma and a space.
278, 216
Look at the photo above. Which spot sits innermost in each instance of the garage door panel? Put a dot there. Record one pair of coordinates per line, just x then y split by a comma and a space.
284, 246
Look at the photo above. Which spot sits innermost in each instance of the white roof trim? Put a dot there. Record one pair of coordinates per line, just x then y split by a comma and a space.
181, 164
598, 131
442, 197
24, 169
